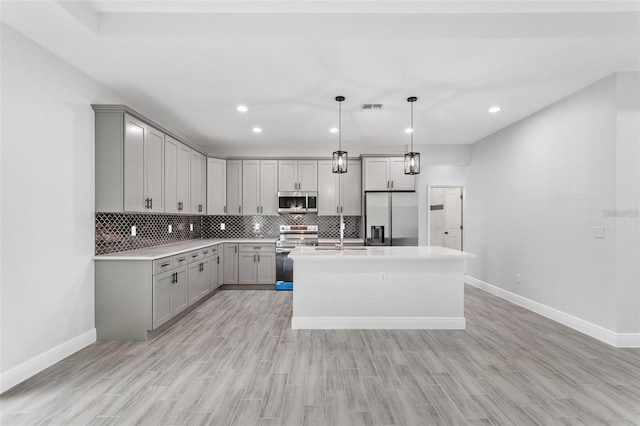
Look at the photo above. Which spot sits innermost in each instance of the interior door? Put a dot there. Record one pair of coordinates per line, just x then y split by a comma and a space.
453, 219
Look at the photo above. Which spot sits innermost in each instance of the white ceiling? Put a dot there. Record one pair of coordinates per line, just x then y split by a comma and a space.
188, 64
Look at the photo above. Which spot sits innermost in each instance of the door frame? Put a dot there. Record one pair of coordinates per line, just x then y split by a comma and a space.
464, 196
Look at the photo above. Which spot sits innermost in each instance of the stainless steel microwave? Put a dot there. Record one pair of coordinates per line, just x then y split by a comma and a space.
297, 202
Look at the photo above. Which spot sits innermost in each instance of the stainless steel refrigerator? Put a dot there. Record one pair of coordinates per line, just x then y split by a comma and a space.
391, 218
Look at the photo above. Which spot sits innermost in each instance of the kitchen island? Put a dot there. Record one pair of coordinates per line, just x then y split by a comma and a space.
378, 288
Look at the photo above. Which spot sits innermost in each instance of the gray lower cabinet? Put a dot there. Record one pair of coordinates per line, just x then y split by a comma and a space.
169, 295
257, 264
230, 263
136, 296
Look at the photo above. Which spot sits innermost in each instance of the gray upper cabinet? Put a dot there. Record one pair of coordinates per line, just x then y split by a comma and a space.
176, 176
198, 182
139, 168
234, 187
297, 175
216, 186
259, 187
328, 190
143, 167
386, 174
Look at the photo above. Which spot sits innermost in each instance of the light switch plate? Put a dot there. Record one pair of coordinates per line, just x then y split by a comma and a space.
134, 231
598, 232
191, 227
170, 228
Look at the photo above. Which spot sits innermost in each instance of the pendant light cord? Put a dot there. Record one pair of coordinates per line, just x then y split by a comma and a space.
339, 126
412, 130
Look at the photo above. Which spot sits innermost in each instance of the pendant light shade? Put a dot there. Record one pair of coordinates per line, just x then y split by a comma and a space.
412, 159
340, 157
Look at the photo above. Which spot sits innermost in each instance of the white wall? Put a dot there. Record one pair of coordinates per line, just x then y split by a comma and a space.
47, 207
536, 189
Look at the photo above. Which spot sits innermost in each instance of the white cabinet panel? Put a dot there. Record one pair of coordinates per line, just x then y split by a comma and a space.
234, 187
198, 182
328, 189
297, 175
307, 175
376, 177
269, 187
250, 187
266, 268
193, 282
400, 181
154, 173
176, 176
161, 305
352, 189
247, 268
134, 167
179, 291
230, 263
216, 186
287, 175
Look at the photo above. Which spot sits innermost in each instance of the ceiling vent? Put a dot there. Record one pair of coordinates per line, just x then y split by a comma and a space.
371, 107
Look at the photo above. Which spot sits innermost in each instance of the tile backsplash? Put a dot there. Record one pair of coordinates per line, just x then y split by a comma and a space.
269, 226
113, 230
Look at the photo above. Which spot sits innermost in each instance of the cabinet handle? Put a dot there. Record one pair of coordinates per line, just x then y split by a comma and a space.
337, 209
224, 209
239, 209
199, 207
261, 209
181, 260
200, 267
391, 184
164, 265
254, 257
235, 249
218, 260
150, 203
257, 209
258, 258
193, 256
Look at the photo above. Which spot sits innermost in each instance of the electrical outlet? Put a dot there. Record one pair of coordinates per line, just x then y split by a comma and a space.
191, 227
256, 226
383, 276
134, 231
170, 228
518, 278
222, 226
598, 232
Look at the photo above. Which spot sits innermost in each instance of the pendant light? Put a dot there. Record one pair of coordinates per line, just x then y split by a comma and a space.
340, 156
412, 159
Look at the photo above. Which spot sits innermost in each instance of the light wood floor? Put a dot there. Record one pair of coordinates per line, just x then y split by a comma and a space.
236, 361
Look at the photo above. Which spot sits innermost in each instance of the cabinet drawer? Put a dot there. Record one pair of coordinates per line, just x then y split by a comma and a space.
194, 256
161, 265
180, 259
205, 252
257, 247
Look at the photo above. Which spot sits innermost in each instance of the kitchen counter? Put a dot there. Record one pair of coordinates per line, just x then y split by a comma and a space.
347, 241
158, 252
380, 253
378, 288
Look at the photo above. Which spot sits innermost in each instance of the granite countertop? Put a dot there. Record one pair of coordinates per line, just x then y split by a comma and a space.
158, 252
380, 253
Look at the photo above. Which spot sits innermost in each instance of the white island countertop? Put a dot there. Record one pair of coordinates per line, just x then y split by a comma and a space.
380, 253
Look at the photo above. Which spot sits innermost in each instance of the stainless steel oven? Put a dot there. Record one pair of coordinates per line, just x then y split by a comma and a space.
297, 202
292, 236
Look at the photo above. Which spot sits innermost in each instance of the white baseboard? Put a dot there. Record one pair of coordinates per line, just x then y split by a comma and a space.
378, 323
31, 367
618, 340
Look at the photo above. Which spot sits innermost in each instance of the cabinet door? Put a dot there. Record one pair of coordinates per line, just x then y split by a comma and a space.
154, 169
266, 273
213, 272
220, 266
230, 264
307, 175
400, 181
376, 174
328, 188
179, 291
352, 189
216, 186
269, 187
171, 175
198, 182
247, 268
234, 187
184, 176
204, 279
134, 167
287, 175
193, 282
161, 305
250, 187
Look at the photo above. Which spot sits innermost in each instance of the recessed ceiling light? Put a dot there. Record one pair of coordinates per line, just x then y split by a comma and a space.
257, 130
333, 130
494, 109
408, 130
242, 108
